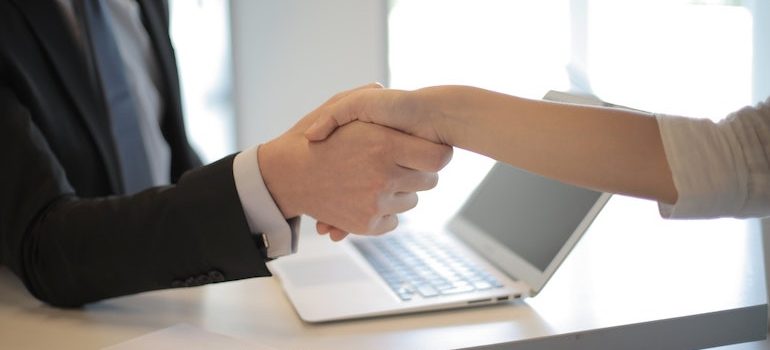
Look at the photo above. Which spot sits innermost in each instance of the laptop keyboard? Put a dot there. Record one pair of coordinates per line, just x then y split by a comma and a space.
414, 264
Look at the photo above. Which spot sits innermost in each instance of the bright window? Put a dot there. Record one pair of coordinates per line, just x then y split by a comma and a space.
669, 56
201, 37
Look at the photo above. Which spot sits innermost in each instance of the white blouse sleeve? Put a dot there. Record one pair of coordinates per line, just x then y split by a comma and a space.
719, 169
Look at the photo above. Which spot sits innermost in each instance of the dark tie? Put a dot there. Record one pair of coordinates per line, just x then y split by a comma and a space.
120, 101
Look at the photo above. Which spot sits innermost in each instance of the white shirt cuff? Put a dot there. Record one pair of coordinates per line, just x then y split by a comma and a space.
262, 214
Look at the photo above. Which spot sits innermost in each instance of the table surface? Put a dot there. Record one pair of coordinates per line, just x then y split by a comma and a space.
634, 281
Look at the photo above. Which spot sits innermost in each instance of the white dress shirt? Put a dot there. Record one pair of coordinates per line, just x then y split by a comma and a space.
719, 169
135, 46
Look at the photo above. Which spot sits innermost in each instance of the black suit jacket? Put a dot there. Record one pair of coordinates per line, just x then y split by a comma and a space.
65, 228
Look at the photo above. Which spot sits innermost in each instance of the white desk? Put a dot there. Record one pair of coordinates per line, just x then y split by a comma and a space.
634, 281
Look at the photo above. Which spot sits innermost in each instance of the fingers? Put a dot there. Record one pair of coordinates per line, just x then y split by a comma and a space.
387, 220
401, 202
322, 227
415, 181
334, 117
382, 169
337, 235
420, 154
386, 224
334, 233
342, 94
326, 124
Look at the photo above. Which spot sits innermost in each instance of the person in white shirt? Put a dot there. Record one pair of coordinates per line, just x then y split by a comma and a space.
694, 168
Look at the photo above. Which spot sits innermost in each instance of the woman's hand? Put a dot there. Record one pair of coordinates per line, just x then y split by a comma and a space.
397, 109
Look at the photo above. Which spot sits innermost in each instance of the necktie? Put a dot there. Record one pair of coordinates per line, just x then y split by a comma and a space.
120, 102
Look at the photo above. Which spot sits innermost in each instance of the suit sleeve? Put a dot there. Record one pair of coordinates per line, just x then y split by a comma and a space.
70, 251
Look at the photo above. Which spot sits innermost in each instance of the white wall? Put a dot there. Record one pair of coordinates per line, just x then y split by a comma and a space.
290, 56
761, 11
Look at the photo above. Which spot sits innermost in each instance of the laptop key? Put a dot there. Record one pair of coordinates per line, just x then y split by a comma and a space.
405, 292
481, 285
427, 291
458, 289
412, 266
405, 296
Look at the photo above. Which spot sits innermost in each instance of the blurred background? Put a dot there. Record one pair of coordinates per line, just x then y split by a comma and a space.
251, 68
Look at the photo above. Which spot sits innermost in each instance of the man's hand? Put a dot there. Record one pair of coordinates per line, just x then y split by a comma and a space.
356, 180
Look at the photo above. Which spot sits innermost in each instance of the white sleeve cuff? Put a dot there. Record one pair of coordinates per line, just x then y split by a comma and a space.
706, 167
262, 214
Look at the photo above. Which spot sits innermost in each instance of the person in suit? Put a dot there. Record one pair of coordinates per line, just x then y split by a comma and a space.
694, 168
101, 194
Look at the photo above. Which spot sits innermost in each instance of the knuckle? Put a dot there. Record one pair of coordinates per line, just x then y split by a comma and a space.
384, 225
391, 223
441, 158
431, 180
433, 161
448, 153
414, 199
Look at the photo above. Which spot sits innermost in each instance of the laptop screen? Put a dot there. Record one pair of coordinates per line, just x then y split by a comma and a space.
530, 215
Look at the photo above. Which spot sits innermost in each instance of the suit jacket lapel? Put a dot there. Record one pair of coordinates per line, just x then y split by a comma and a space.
70, 64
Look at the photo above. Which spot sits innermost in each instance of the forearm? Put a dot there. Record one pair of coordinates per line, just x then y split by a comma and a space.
81, 250
607, 149
71, 250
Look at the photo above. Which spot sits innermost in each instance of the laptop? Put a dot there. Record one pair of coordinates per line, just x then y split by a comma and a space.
504, 244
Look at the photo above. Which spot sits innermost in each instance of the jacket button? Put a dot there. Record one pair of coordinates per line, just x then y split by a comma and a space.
189, 282
216, 276
201, 280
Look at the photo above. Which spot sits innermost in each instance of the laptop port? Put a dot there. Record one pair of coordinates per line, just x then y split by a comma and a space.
505, 298
479, 301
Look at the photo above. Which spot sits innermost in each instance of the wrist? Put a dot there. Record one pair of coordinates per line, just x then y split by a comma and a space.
436, 106
276, 173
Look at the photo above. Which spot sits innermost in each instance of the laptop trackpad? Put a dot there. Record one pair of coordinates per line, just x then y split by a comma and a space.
333, 269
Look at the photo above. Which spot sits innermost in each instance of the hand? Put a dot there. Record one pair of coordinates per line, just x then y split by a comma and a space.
392, 108
335, 234
356, 180
384, 107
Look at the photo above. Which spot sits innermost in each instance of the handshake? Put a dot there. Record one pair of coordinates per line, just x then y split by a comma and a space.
358, 160
357, 178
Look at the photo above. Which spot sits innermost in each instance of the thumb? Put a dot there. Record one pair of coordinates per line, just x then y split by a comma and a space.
332, 117
328, 122
323, 127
